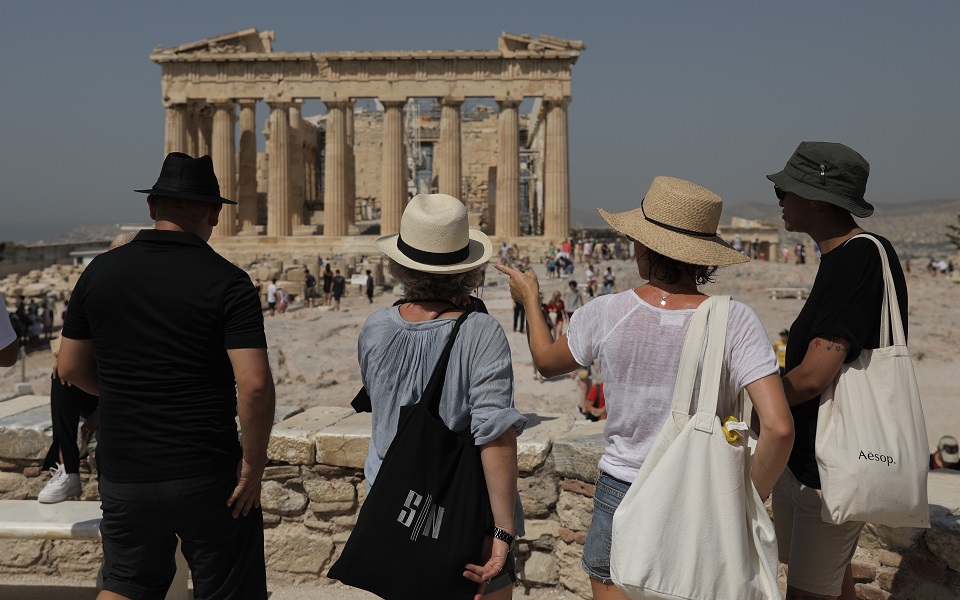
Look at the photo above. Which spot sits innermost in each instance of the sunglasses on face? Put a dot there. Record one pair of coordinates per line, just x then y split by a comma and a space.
779, 192
950, 449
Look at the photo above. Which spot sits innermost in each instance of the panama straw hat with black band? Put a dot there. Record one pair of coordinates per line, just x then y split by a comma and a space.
678, 219
183, 176
435, 237
828, 172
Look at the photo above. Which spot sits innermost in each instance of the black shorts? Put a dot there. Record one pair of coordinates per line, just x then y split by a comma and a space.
271, 305
506, 577
141, 522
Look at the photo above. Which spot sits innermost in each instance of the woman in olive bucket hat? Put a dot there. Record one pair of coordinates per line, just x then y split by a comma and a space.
821, 190
637, 336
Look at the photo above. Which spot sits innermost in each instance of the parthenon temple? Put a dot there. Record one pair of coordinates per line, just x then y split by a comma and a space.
486, 126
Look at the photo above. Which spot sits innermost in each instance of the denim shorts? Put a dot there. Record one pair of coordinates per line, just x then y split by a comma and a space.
596, 550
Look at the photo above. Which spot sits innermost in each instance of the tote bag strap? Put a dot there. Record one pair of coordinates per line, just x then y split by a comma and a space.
434, 387
690, 359
890, 311
710, 323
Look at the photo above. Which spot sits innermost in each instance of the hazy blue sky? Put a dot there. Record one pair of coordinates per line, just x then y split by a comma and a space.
716, 92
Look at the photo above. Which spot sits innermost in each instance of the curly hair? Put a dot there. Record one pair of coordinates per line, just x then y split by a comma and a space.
418, 285
669, 270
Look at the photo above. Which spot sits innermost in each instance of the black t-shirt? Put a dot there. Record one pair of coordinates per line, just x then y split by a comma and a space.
162, 312
311, 281
845, 302
338, 283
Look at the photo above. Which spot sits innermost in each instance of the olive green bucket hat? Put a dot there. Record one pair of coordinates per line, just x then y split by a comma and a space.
828, 172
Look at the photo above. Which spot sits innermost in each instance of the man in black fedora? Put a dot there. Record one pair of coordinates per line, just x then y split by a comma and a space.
170, 335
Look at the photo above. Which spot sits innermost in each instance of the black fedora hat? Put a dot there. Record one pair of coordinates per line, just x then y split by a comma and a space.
183, 176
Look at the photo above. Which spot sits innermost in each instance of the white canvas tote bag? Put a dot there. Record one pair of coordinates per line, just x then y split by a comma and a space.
692, 525
871, 441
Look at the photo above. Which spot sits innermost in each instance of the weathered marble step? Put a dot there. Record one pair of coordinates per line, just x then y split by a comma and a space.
26, 434
26, 430
70, 520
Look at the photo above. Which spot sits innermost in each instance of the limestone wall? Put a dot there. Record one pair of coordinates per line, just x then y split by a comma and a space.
22, 259
314, 487
56, 279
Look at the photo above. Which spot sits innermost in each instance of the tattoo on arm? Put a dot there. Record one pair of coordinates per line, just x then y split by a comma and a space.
833, 344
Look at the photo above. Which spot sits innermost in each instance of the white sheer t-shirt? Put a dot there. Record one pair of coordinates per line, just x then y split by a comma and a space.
638, 347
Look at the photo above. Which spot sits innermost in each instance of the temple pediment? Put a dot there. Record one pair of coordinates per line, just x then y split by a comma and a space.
238, 42
512, 42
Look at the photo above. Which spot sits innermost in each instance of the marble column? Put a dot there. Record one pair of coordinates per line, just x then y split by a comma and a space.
224, 154
205, 131
351, 165
310, 164
393, 174
296, 174
450, 162
556, 218
193, 129
176, 129
279, 221
335, 167
508, 171
247, 180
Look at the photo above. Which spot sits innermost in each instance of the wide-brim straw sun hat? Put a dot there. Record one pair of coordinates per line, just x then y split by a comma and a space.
435, 237
678, 219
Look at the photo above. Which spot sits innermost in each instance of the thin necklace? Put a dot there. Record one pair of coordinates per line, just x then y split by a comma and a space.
663, 299
664, 294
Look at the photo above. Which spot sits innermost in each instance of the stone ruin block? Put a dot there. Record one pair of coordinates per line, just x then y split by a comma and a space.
293, 441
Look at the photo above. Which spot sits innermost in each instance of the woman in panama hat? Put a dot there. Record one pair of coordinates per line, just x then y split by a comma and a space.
439, 261
638, 334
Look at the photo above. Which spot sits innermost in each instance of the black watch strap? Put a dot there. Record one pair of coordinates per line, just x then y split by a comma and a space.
503, 536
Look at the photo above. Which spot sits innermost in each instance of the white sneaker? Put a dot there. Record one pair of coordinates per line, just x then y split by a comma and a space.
61, 486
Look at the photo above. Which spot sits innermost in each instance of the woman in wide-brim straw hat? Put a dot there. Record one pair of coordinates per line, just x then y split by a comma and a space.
637, 335
440, 261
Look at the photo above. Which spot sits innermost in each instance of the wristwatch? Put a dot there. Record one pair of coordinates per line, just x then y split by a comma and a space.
503, 536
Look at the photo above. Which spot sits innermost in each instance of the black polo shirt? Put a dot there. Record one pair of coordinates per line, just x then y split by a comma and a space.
162, 312
845, 301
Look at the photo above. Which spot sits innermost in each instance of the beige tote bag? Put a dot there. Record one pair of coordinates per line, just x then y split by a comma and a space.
871, 441
692, 525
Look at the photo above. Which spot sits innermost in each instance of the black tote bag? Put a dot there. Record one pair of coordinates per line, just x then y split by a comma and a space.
427, 512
